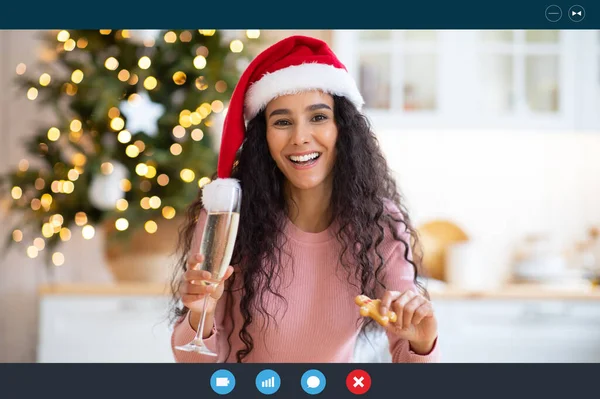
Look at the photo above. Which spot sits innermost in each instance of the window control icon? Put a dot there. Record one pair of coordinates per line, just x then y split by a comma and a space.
553, 13
576, 13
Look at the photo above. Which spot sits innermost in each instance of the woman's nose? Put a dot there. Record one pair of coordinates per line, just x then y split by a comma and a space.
301, 134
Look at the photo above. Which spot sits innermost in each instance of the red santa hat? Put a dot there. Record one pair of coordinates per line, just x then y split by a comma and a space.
292, 65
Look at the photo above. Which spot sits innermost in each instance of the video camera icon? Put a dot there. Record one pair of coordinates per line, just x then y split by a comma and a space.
222, 382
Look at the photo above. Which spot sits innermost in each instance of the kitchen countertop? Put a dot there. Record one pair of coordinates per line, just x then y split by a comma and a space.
513, 291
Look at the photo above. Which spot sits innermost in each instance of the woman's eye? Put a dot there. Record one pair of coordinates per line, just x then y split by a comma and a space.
319, 118
282, 122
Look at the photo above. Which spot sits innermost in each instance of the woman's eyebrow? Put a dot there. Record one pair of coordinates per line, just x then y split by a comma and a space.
315, 107
285, 111
280, 111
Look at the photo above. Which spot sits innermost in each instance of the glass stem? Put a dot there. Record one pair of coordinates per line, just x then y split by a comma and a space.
200, 331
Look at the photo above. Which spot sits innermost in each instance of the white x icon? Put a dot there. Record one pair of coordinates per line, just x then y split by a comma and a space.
359, 381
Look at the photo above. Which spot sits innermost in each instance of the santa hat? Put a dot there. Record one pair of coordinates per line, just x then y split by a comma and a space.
292, 65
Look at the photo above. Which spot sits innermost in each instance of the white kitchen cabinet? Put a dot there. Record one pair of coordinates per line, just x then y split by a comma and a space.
104, 329
476, 79
134, 328
536, 331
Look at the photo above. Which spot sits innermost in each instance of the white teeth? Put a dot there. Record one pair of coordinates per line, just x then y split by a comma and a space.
304, 158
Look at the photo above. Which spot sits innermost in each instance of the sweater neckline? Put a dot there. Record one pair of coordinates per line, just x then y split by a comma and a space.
294, 232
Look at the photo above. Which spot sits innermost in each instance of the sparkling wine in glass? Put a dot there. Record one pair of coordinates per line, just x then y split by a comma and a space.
222, 201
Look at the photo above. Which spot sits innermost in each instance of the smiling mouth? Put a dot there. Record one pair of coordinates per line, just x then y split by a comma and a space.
305, 159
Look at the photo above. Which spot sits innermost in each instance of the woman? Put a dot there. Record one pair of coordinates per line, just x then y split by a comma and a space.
321, 222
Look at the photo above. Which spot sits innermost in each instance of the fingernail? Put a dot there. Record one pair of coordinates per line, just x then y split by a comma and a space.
384, 310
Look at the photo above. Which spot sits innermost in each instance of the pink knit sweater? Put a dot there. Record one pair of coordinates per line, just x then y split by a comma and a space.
320, 322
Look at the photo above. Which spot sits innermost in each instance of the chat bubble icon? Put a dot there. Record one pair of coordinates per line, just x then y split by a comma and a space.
313, 381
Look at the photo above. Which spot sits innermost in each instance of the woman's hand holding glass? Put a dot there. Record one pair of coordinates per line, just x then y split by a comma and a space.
194, 288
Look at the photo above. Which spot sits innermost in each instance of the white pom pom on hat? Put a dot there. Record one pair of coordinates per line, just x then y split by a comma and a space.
216, 200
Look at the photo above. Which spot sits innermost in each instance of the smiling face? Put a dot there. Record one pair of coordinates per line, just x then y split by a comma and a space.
301, 134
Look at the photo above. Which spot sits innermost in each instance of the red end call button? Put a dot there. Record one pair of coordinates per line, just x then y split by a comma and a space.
358, 382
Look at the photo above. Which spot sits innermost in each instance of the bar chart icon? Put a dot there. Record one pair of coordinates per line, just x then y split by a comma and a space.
268, 382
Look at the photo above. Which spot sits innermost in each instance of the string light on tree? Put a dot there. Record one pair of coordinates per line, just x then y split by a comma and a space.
122, 204
32, 93
46, 201
145, 203
203, 181
132, 151
36, 204
117, 124
124, 137
73, 175
81, 219
70, 45
179, 131
162, 180
32, 252
114, 113
201, 83
154, 202
82, 42
39, 243
197, 134
168, 212
88, 232
17, 235
253, 34
176, 149
65, 234
179, 78
185, 36
53, 134
125, 185
141, 169
47, 230
170, 37
150, 83
58, 259
151, 226
123, 75
151, 172
121, 224
144, 62
133, 79
21, 68
23, 165
236, 46
217, 106
187, 175
45, 79
199, 62
77, 76
63, 36
111, 63
16, 192
39, 183
75, 125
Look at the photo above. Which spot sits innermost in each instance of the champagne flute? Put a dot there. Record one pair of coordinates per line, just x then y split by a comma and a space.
218, 240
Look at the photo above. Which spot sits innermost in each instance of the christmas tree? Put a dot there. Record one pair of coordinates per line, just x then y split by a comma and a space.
130, 140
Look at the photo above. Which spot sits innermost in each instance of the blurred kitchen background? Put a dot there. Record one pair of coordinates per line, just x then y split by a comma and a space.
494, 137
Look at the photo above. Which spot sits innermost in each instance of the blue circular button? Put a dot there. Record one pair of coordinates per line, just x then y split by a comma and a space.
268, 382
222, 382
313, 382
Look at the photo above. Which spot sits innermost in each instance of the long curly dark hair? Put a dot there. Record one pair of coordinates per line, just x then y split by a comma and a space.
362, 183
